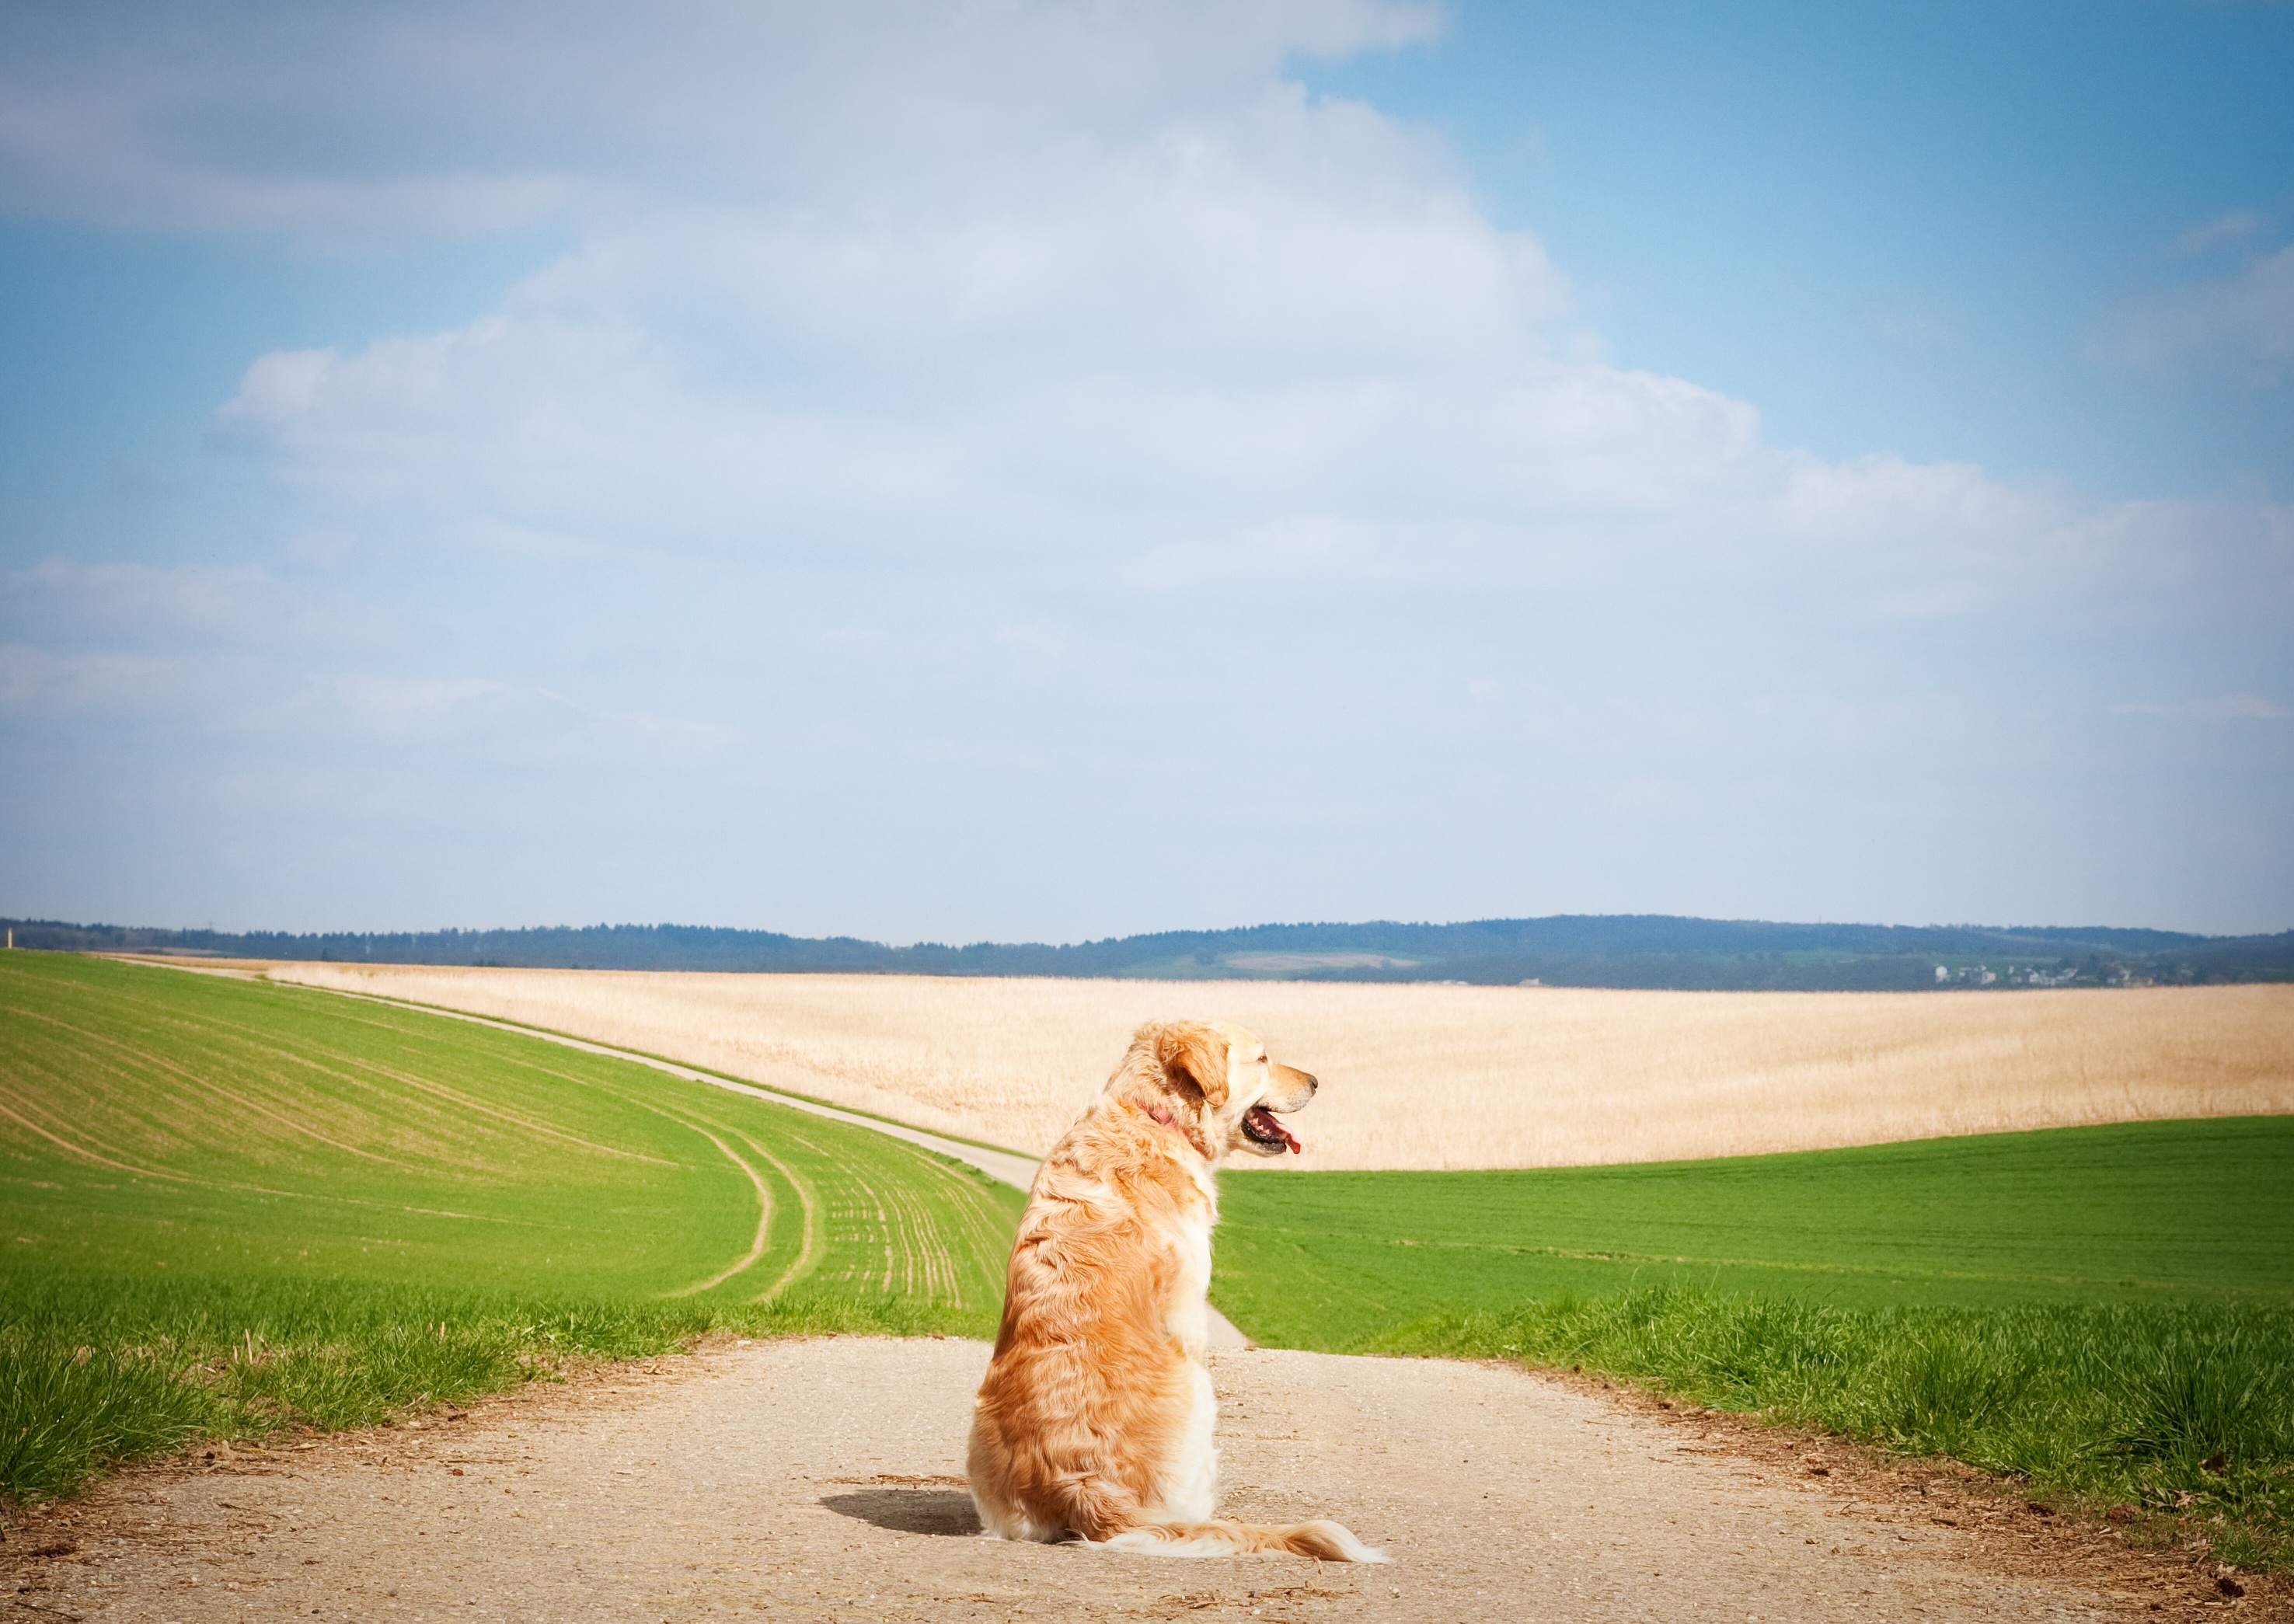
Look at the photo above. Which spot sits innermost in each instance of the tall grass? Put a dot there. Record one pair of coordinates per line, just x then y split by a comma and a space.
1441, 1077
2187, 1410
98, 1369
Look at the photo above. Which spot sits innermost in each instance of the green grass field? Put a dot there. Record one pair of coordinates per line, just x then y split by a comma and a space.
2142, 1212
2107, 1312
227, 1205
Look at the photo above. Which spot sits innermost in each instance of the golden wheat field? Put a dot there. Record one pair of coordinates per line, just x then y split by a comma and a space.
1440, 1076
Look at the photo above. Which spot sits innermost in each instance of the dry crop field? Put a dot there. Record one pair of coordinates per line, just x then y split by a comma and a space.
1435, 1077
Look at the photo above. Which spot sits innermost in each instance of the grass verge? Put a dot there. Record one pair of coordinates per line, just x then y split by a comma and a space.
2182, 1411
2102, 1312
95, 1369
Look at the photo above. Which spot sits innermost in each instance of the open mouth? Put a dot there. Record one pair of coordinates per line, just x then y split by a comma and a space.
1258, 1124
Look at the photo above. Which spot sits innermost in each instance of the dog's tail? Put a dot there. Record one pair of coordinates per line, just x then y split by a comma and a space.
1103, 1512
1322, 1540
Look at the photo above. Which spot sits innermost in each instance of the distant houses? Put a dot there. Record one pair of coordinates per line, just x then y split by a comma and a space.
2094, 973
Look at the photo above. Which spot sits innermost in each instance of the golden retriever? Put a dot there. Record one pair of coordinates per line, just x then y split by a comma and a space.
1095, 1417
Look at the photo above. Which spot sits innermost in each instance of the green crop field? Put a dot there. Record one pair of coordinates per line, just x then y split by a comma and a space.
2137, 1212
2107, 1313
229, 1205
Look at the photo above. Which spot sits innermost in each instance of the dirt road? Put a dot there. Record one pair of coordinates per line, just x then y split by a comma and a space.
816, 1480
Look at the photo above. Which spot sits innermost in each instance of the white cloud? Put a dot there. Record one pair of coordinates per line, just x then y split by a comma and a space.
2215, 708
190, 595
518, 719
33, 678
1917, 327
403, 705
1016, 281
1020, 285
1410, 424
2244, 319
63, 601
2243, 707
363, 126
2234, 227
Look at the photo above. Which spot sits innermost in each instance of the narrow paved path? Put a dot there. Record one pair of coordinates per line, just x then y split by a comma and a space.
817, 1480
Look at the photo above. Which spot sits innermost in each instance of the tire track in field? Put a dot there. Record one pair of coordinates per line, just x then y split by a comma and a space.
80, 1150
937, 1262
812, 1245
104, 1051
867, 1199
93, 1040
457, 1097
975, 1225
196, 1183
808, 1245
900, 1246
206, 1035
256, 1039
854, 1200
924, 1254
49, 1092
920, 1262
764, 1215
193, 1181
911, 1245
980, 1222
196, 1081
906, 1240
942, 1255
973, 1221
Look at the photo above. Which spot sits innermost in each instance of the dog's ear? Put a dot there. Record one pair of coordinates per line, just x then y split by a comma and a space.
1197, 1054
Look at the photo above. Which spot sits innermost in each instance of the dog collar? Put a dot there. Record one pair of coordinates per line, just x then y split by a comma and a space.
1158, 1113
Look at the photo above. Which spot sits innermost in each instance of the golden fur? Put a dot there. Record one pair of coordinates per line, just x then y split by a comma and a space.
1095, 1417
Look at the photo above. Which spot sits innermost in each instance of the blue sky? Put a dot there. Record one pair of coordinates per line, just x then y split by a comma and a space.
1048, 471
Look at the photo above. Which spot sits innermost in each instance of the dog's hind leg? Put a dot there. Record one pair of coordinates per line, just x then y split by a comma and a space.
1187, 1488
1001, 1521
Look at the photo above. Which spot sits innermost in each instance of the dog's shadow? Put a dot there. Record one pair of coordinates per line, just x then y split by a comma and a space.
926, 1507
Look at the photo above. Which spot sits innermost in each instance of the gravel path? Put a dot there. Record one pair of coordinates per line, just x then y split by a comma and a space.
816, 1480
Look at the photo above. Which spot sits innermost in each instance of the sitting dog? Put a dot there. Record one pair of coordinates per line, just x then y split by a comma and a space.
1095, 1417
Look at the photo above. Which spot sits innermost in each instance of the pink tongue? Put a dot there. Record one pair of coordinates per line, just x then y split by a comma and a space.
1267, 1123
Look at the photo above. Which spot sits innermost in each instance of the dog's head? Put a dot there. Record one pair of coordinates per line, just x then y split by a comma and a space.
1218, 1079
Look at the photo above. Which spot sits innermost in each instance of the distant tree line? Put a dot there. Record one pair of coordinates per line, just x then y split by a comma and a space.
1643, 950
